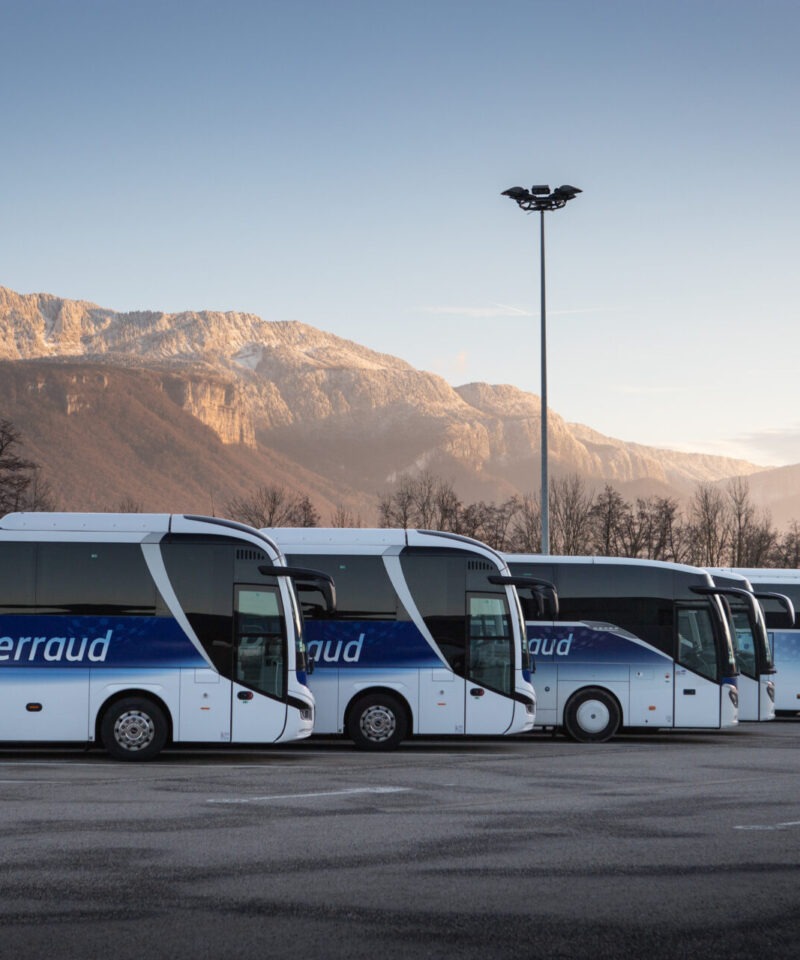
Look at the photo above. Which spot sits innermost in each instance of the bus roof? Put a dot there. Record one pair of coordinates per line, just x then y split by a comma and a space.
131, 523
764, 574
373, 540
730, 577
95, 522
665, 565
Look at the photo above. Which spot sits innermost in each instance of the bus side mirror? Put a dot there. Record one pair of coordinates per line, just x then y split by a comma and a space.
549, 602
542, 604
784, 601
309, 580
531, 608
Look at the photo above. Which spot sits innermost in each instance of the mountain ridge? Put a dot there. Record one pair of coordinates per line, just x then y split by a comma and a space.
344, 416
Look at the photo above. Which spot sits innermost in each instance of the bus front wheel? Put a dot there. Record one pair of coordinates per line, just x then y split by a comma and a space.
591, 716
134, 729
377, 722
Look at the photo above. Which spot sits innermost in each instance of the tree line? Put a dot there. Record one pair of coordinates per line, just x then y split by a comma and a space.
718, 526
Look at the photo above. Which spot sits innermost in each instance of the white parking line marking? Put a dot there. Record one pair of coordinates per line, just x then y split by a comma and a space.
311, 796
774, 826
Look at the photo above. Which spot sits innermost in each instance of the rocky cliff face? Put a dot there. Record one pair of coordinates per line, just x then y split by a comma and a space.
351, 415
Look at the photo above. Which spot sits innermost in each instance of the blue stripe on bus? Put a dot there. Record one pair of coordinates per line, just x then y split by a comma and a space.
71, 642
368, 644
577, 643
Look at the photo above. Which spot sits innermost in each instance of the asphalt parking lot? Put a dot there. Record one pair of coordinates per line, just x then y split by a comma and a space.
675, 845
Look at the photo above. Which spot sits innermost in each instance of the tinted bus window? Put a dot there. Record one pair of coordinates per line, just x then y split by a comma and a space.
201, 577
363, 588
17, 577
438, 585
650, 619
96, 578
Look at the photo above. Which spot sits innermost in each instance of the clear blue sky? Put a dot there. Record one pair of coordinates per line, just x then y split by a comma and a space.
340, 162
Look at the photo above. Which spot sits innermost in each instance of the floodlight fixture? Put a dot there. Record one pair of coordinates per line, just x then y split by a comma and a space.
540, 198
517, 193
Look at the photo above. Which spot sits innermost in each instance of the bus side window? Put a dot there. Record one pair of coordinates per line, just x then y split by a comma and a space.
363, 588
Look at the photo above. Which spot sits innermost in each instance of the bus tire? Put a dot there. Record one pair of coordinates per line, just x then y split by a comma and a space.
134, 729
591, 716
377, 722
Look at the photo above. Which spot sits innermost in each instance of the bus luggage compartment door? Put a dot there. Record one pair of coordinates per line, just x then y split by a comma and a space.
44, 703
696, 699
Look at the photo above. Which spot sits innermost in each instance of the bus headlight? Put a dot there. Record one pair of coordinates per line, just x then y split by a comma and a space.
733, 694
771, 691
307, 713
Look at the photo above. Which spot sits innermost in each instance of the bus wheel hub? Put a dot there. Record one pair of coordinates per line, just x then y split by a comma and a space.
378, 723
134, 730
593, 716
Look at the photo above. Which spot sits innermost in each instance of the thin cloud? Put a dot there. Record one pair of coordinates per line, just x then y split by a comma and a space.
507, 310
632, 390
767, 448
496, 310
779, 444
454, 366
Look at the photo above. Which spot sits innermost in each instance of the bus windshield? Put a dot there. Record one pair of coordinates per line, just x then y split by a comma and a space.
743, 641
730, 668
697, 647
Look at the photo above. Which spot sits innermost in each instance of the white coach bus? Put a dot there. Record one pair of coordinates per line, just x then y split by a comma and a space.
756, 684
428, 636
639, 644
779, 593
135, 630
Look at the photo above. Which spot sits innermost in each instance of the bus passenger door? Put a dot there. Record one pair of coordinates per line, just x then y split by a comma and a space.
697, 690
258, 707
490, 665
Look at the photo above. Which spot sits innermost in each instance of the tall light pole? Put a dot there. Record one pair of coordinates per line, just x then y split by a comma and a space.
540, 198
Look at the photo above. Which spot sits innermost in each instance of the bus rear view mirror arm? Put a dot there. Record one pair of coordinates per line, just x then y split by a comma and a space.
306, 580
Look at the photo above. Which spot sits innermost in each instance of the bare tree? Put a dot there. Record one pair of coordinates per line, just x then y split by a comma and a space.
447, 507
497, 522
39, 495
344, 517
474, 520
650, 528
127, 505
571, 513
786, 553
273, 506
742, 513
761, 541
397, 509
526, 526
710, 530
22, 486
424, 501
609, 515
753, 538
304, 513
667, 532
